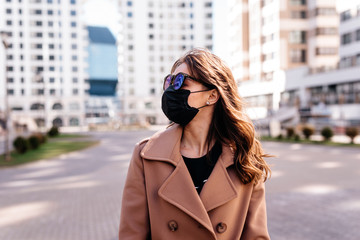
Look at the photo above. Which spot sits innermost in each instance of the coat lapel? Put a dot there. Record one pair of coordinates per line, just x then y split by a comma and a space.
219, 189
179, 191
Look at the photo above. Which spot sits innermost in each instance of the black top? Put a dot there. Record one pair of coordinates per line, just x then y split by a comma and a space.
201, 168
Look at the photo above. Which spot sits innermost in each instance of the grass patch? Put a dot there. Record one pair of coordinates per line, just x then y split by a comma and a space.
69, 135
45, 151
291, 140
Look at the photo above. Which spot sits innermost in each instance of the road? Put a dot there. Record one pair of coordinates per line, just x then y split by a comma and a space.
313, 193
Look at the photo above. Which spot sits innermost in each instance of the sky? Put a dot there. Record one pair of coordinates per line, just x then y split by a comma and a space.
101, 13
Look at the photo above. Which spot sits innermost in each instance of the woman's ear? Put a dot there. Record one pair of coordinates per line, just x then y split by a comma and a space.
214, 96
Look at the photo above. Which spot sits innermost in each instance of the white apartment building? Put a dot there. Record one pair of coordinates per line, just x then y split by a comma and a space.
338, 90
277, 35
46, 77
153, 34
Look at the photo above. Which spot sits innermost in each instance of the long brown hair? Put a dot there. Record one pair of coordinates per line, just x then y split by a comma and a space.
230, 125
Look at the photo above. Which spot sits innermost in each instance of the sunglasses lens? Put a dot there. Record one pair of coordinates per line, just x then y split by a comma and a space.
167, 82
179, 79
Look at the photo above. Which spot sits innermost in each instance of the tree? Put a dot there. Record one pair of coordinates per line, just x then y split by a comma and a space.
351, 132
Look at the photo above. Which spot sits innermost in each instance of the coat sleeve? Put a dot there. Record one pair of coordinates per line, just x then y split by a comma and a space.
134, 219
256, 219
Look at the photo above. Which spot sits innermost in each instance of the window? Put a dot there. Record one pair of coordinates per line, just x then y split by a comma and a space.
9, 22
74, 69
73, 13
73, 24
298, 55
52, 80
129, 14
8, 11
357, 35
298, 37
325, 11
345, 38
51, 69
74, 122
73, 46
73, 1
50, 12
345, 16
151, 25
51, 46
50, 23
357, 61
298, 14
326, 31
73, 35
151, 36
326, 51
75, 80
52, 91
130, 47
298, 2
10, 91
75, 91
51, 57
129, 3
74, 57
151, 15
208, 4
345, 62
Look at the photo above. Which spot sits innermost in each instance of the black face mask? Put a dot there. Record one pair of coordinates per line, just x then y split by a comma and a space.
175, 105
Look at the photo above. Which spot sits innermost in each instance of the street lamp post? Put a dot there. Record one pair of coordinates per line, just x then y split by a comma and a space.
4, 36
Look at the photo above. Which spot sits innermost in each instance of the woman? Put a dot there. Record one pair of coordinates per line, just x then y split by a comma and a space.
203, 177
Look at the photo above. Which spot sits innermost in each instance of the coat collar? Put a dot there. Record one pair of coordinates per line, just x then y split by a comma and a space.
165, 146
178, 189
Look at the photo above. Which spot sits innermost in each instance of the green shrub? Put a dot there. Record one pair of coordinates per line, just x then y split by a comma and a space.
308, 131
297, 137
53, 132
351, 132
280, 136
327, 133
20, 144
34, 142
42, 138
290, 132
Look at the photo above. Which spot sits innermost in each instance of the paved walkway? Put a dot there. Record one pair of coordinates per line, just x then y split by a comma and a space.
313, 194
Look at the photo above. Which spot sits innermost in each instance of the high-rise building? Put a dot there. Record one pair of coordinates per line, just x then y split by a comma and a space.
154, 34
102, 105
271, 36
46, 62
335, 92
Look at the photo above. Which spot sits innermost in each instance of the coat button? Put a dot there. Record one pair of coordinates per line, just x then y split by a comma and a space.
173, 226
221, 227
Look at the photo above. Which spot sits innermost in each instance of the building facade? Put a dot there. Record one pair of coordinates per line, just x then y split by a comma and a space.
102, 105
46, 62
337, 90
275, 36
154, 33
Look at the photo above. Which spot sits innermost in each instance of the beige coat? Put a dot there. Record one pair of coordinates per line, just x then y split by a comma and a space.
160, 201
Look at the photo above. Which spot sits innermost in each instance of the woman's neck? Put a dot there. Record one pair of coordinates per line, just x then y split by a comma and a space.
194, 139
